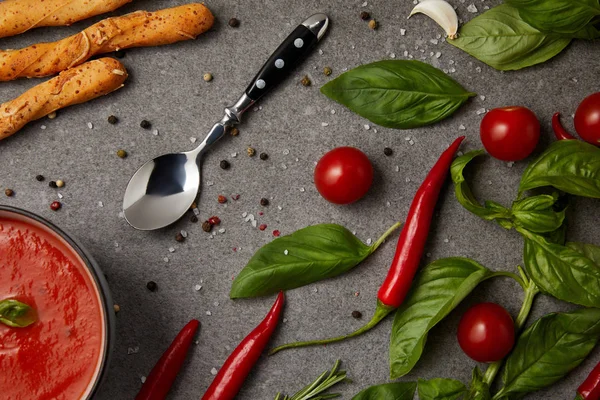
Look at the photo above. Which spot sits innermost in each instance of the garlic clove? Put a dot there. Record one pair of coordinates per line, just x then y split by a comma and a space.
441, 12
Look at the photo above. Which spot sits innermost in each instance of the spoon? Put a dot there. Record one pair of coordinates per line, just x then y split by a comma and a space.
163, 189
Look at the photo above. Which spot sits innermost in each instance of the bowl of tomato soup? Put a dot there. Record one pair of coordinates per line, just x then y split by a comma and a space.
64, 354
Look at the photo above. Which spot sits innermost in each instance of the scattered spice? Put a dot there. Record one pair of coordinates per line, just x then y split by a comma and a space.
306, 81
388, 152
356, 314
234, 131
55, 206
145, 124
194, 205
364, 15
194, 219
152, 286
117, 308
224, 164
234, 22
9, 192
206, 226
39, 178
327, 71
264, 202
251, 152
373, 24
112, 119
179, 237
121, 153
235, 197
52, 184
214, 220
222, 199
120, 54
60, 183
276, 233
207, 77
262, 227
52, 115
264, 156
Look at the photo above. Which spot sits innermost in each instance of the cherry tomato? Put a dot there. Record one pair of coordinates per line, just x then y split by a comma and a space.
486, 332
510, 133
343, 175
587, 119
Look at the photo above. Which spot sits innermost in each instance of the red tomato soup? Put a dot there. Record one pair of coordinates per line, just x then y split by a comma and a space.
59, 356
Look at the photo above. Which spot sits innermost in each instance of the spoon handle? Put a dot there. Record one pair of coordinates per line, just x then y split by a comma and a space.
287, 56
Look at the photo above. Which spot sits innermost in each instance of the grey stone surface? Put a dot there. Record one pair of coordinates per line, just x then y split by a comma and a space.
166, 88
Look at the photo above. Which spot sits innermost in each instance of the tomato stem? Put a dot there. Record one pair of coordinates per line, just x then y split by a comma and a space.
385, 236
531, 290
381, 312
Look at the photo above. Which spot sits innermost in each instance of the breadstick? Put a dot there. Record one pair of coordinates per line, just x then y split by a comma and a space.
73, 86
141, 28
18, 16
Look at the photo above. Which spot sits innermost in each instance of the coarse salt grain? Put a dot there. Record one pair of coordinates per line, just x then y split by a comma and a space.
286, 152
369, 241
213, 371
43, 127
285, 252
193, 139
155, 132
183, 233
302, 189
209, 183
324, 124
90, 125
367, 126
222, 230
143, 379
472, 8
197, 288
60, 196
402, 32
196, 211
171, 250
480, 111
208, 313
462, 127
100, 204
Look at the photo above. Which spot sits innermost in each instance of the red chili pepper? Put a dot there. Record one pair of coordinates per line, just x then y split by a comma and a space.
408, 251
590, 388
233, 373
165, 371
559, 131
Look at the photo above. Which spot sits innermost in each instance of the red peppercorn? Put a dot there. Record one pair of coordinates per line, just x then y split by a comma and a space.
262, 227
276, 233
261, 213
222, 199
214, 220
55, 206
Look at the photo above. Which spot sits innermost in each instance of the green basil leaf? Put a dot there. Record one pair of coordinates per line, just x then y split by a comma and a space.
557, 16
589, 250
502, 40
436, 291
440, 389
389, 391
399, 94
537, 215
491, 211
308, 255
561, 271
16, 314
572, 166
548, 350
479, 390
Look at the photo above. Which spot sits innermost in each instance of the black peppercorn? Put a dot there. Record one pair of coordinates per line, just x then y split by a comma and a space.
264, 202
206, 226
9, 192
356, 314
52, 184
113, 120
364, 15
264, 156
152, 286
224, 164
194, 219
234, 22
179, 237
119, 54
39, 178
387, 151
145, 124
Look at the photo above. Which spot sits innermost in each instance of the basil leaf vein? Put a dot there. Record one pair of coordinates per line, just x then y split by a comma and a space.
440, 389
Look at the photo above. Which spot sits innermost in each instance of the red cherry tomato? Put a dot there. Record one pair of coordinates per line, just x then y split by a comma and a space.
510, 133
486, 332
587, 119
343, 175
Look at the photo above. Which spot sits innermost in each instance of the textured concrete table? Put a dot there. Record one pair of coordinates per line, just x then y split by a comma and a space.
166, 88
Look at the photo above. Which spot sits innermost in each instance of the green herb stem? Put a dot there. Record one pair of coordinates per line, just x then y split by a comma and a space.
531, 290
512, 275
381, 312
325, 381
385, 235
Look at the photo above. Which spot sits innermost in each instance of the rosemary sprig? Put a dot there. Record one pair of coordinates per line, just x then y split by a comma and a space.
325, 381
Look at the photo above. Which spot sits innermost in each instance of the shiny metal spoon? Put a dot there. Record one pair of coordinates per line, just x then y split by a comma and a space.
162, 190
